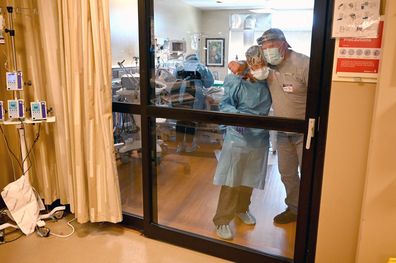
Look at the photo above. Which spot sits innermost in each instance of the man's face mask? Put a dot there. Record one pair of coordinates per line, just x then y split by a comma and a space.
261, 73
273, 56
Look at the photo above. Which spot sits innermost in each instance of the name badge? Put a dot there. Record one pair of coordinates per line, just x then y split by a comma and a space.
288, 88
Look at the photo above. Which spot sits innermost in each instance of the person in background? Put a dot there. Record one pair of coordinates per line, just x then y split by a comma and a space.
288, 82
242, 164
196, 78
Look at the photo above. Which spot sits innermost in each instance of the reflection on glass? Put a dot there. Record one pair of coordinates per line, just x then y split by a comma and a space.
125, 51
125, 84
237, 30
190, 180
127, 144
184, 86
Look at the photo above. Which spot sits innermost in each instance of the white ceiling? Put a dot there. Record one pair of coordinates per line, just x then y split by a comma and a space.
251, 4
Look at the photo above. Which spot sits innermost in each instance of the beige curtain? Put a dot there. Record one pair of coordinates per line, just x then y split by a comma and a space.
64, 48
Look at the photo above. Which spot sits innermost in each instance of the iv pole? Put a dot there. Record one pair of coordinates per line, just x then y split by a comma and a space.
57, 212
20, 127
21, 132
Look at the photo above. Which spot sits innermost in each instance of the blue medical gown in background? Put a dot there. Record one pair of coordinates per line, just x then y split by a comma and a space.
206, 80
244, 156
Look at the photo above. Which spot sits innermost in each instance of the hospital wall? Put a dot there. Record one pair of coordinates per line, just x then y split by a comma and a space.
176, 21
124, 31
215, 24
172, 21
357, 221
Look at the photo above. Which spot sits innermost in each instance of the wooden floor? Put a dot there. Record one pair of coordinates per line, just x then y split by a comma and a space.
187, 199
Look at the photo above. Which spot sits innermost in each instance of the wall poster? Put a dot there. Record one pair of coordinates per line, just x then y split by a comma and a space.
357, 58
215, 52
356, 18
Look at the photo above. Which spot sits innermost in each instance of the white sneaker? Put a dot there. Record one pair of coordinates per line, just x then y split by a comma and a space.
192, 148
180, 148
224, 232
247, 218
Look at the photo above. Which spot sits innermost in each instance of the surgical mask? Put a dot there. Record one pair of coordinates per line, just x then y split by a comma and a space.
273, 56
261, 73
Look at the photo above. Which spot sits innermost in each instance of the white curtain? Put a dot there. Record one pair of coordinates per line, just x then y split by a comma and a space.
64, 49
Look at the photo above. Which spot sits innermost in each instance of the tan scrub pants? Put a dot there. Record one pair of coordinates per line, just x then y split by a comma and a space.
232, 200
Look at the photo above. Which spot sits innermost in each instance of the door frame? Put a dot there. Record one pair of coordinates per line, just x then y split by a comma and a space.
310, 187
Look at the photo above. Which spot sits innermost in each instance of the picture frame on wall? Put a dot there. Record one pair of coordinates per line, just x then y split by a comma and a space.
215, 52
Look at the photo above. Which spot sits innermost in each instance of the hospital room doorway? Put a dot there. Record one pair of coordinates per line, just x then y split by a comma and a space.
184, 122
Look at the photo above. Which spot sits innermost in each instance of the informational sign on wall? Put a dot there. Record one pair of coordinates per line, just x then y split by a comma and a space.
358, 58
356, 18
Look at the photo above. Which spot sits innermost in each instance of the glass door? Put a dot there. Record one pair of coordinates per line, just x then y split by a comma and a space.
126, 107
230, 99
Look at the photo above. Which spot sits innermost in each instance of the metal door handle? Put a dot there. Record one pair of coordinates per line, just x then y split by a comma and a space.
310, 133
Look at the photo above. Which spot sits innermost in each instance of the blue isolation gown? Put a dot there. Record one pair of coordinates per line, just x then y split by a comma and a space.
206, 80
244, 156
